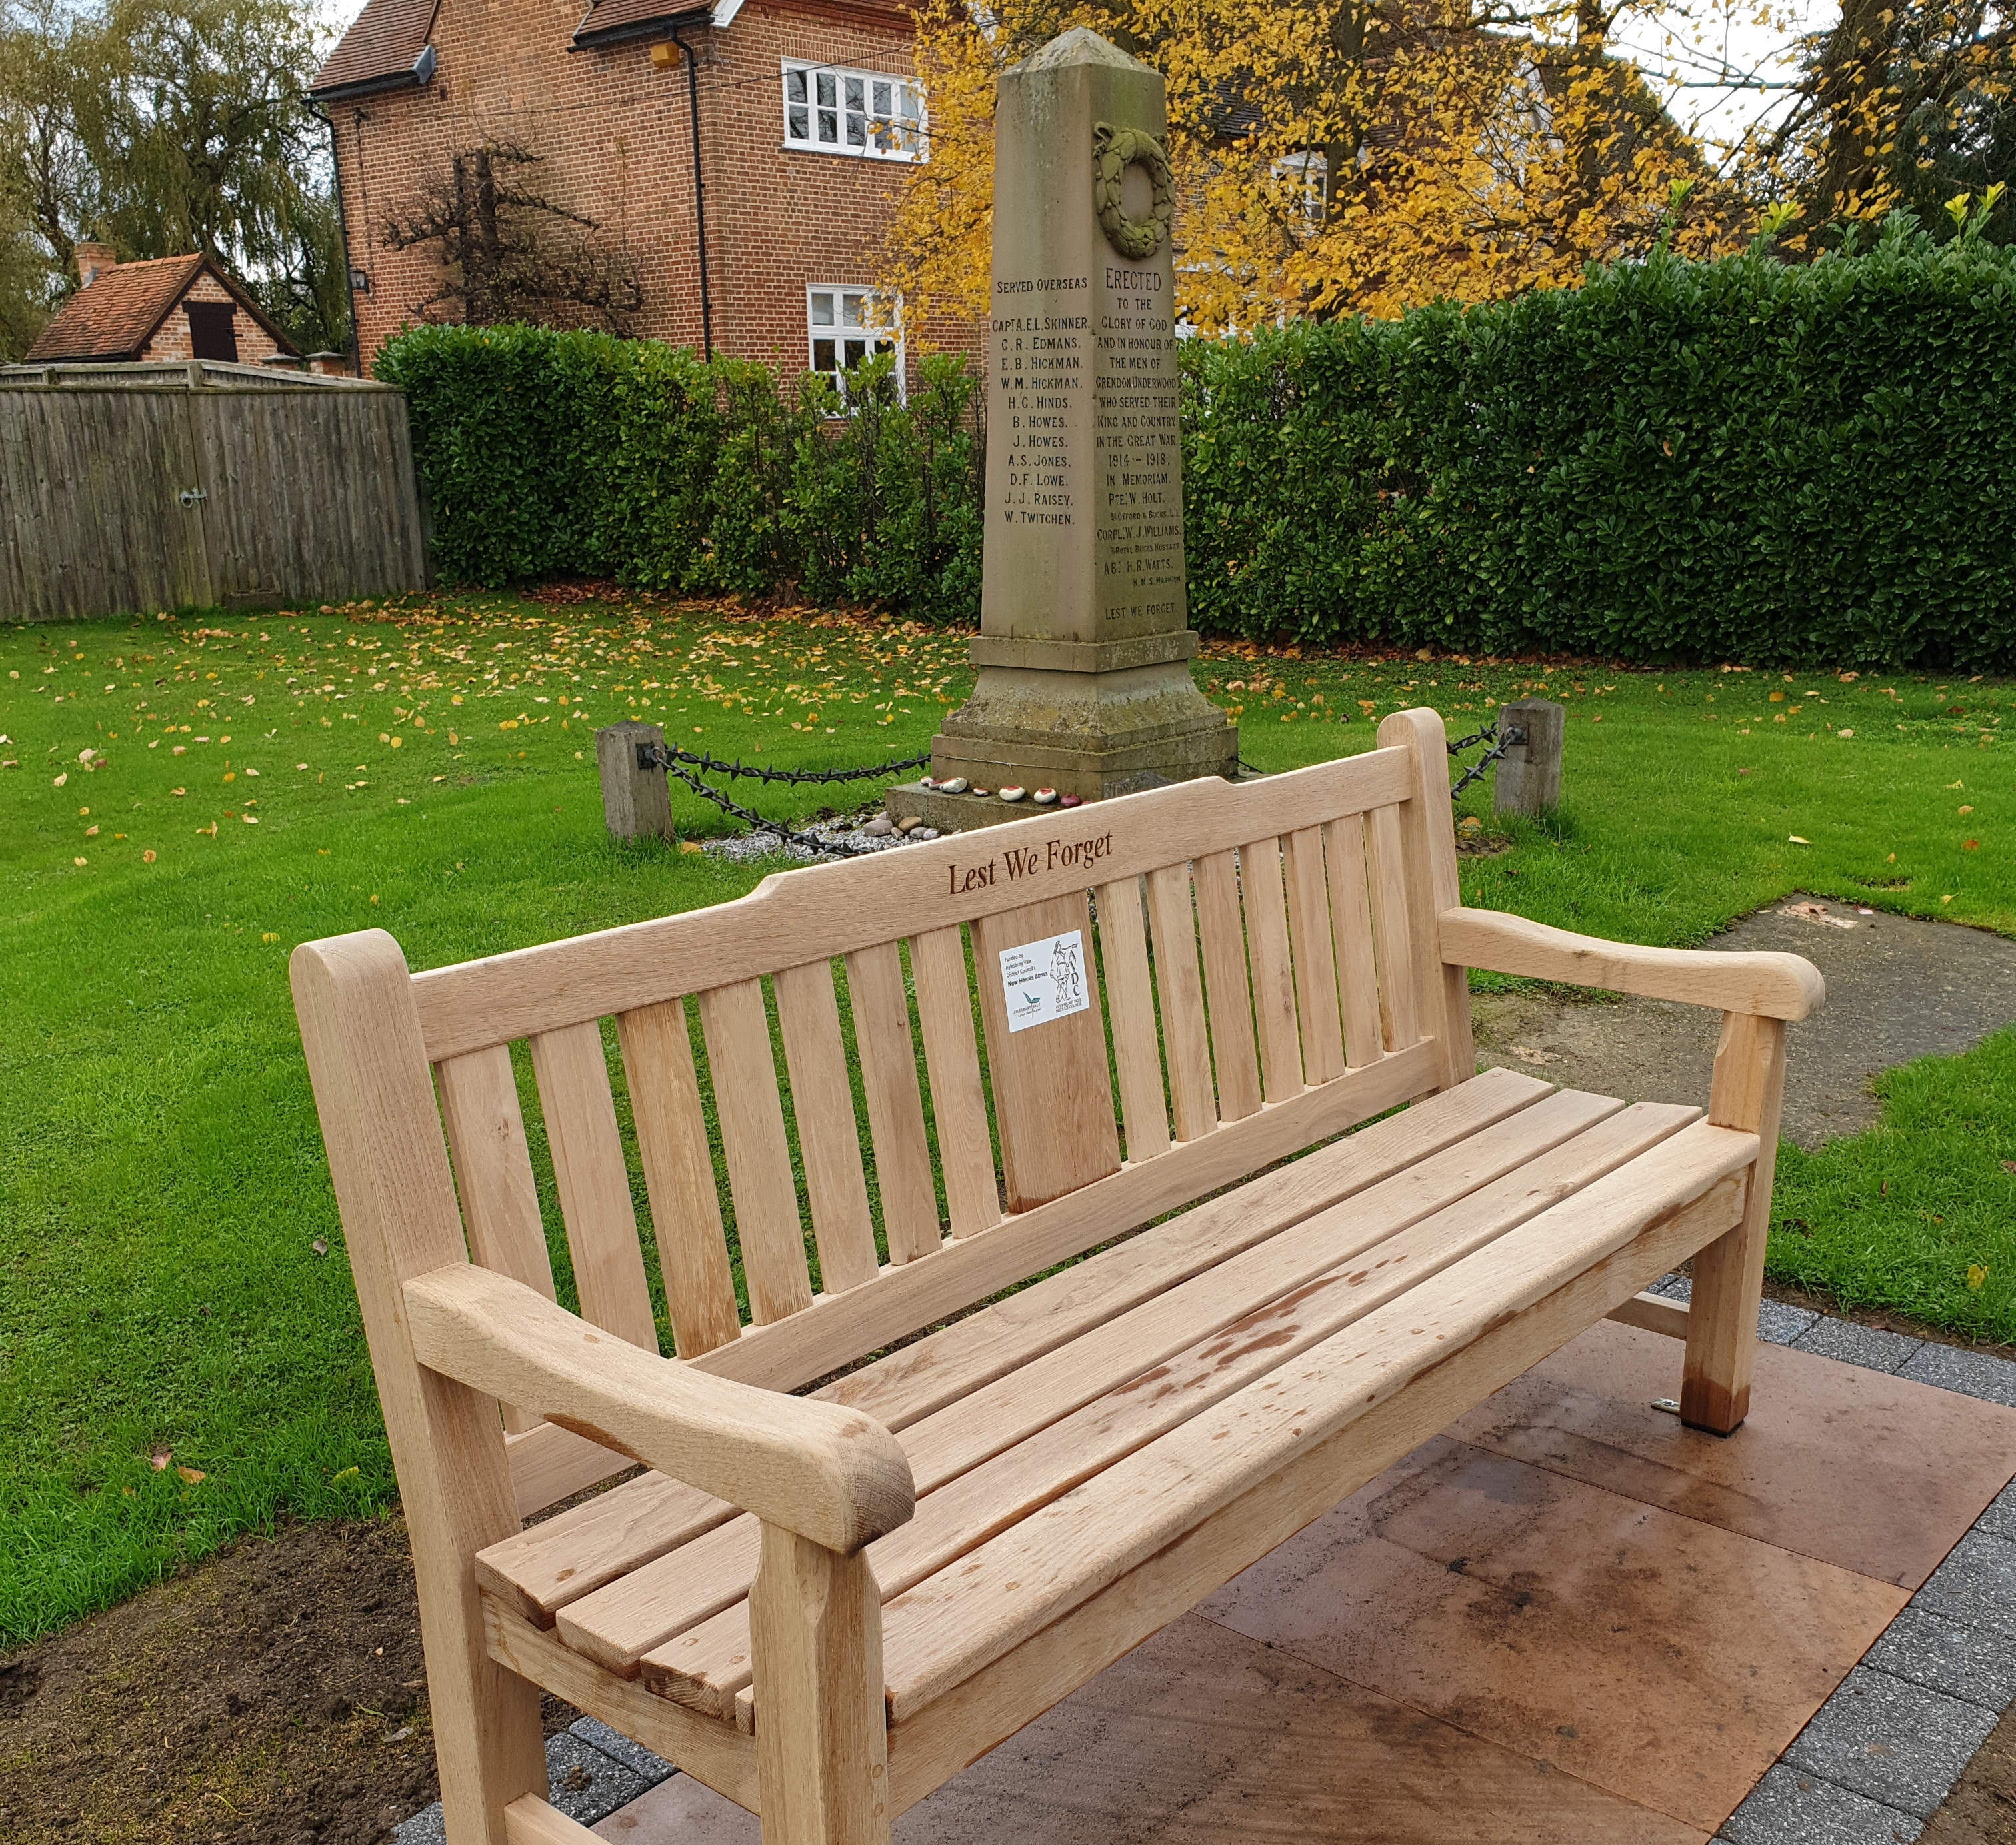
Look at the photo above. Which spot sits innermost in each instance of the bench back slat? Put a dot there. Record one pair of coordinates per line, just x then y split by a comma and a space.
1306, 901
1392, 931
1350, 923
747, 1105
1180, 989
829, 1135
882, 1034
1228, 1001
656, 1043
1130, 997
592, 1182
1273, 969
1052, 1094
493, 1175
958, 1098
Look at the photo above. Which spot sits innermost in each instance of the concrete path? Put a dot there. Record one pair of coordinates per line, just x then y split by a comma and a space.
1898, 988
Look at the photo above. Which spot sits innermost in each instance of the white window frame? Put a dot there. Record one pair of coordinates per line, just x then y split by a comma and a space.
872, 115
1302, 180
877, 327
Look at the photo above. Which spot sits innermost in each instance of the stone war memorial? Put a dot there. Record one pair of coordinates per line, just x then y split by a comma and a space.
1083, 657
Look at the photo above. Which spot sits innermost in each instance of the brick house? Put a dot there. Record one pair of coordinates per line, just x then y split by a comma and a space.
172, 308
807, 114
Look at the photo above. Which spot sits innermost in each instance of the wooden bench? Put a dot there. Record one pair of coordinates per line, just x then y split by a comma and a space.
825, 1605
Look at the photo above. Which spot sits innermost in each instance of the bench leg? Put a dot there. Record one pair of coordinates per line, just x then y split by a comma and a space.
822, 1727
1748, 1092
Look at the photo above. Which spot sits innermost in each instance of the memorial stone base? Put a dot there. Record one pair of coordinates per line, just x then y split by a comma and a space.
1093, 718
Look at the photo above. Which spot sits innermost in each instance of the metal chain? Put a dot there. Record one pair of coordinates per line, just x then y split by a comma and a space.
1487, 735
660, 756
1500, 748
838, 848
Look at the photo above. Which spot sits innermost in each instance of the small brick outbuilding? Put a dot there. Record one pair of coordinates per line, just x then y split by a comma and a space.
170, 307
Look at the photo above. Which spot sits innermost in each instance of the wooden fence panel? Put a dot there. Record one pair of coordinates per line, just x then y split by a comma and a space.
307, 495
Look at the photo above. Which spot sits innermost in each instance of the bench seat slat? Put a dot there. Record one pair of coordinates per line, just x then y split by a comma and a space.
541, 1570
593, 1182
931, 1745
1180, 988
1273, 970
744, 1070
656, 1045
952, 1061
627, 1620
1314, 954
1222, 932
822, 1101
708, 1666
1130, 999
939, 1634
493, 1176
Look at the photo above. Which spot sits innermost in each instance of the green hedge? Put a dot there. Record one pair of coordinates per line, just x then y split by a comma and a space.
547, 454
1735, 461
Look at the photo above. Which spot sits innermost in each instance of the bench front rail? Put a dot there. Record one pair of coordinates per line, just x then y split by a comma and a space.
871, 1096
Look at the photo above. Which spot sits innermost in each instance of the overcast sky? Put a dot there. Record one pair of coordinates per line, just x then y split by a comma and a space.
1690, 50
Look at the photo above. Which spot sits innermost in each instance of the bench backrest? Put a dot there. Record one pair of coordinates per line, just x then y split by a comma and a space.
1205, 978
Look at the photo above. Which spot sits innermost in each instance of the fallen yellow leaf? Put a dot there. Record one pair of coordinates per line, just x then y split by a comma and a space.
1797, 840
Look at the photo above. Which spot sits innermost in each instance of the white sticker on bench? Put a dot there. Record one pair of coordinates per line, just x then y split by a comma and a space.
1045, 980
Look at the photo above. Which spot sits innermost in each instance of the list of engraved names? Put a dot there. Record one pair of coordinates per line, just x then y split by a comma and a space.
1064, 346
1040, 331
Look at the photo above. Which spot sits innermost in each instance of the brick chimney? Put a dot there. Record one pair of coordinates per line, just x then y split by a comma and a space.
92, 260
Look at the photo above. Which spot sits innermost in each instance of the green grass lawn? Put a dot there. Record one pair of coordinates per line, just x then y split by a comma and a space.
253, 784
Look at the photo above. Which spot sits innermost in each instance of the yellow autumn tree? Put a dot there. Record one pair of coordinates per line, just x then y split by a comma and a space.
1335, 157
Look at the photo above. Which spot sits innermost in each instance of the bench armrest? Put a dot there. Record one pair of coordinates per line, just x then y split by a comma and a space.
1770, 986
830, 1474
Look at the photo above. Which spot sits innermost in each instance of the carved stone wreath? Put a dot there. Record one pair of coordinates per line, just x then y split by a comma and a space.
1113, 150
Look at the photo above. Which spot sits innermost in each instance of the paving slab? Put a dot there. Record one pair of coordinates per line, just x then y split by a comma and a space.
2000, 1519
587, 1784
1971, 1374
1203, 1735
1898, 988
1778, 1324
1854, 1467
1976, 1585
649, 1768
1891, 1740
1790, 1807
1571, 1624
1871, 1347
1965, 1662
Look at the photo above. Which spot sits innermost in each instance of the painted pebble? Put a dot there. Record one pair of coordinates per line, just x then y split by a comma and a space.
952, 785
1070, 800
1013, 793
1045, 797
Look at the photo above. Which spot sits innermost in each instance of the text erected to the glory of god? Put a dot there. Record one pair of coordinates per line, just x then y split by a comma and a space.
1062, 345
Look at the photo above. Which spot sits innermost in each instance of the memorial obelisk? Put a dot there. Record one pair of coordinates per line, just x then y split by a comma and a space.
1084, 683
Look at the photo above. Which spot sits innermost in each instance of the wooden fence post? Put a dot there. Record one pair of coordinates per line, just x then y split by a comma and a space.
635, 800
1528, 779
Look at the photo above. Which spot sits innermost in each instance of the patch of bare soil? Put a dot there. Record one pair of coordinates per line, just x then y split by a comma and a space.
274, 1694
1982, 1808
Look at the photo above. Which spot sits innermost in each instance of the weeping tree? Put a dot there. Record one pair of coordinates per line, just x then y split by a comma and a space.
165, 126
509, 253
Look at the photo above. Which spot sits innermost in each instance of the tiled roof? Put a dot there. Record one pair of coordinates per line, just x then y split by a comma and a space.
619, 19
116, 315
384, 44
